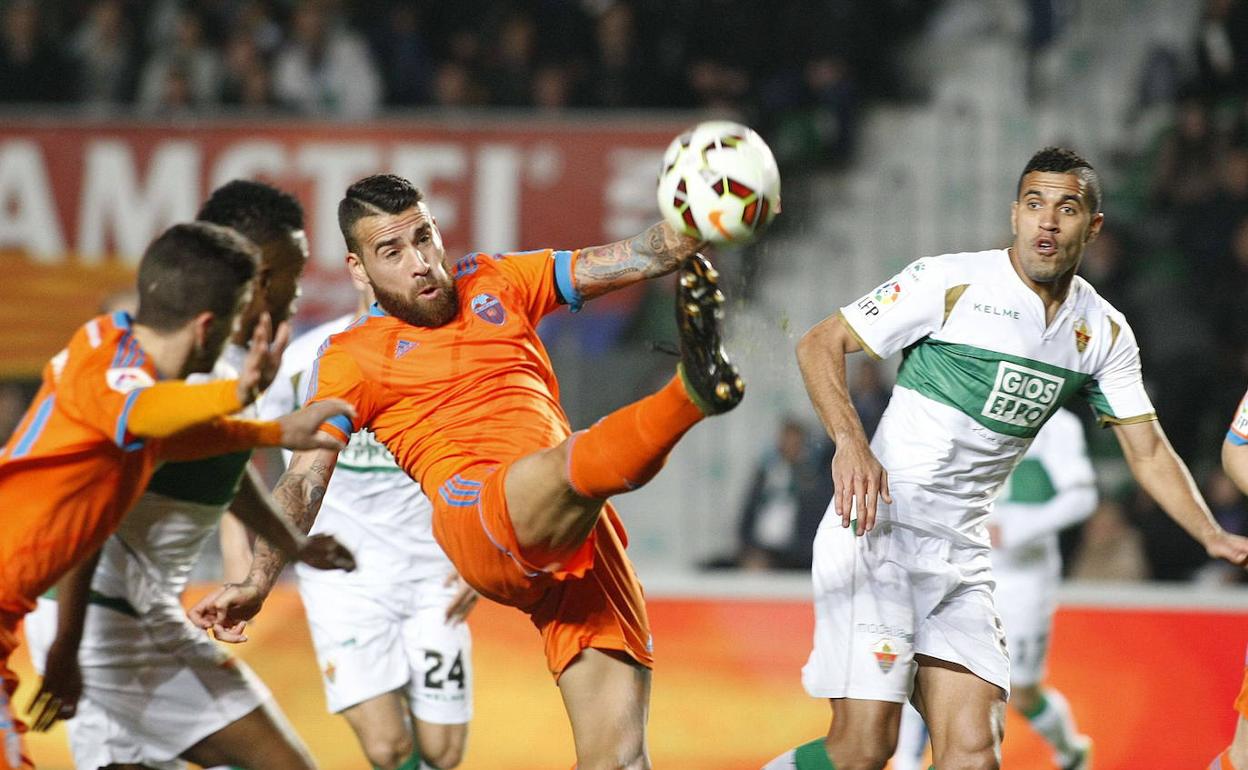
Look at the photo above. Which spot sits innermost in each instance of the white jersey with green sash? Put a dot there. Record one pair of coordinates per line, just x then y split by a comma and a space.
982, 371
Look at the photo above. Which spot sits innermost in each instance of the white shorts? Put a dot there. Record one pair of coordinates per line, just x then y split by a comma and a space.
152, 711
893, 593
373, 639
1027, 598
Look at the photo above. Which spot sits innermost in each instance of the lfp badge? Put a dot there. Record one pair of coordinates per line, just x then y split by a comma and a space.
488, 308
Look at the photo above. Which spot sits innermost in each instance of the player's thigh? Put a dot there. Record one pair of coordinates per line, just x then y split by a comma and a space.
261, 740
547, 515
607, 697
964, 713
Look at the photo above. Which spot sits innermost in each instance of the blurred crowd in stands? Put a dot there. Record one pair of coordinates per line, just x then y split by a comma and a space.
802, 68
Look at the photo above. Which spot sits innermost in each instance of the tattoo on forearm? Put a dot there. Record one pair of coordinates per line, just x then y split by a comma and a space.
299, 495
657, 251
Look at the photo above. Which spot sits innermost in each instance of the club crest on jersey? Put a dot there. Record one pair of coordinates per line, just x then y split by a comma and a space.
124, 379
403, 347
885, 652
1083, 335
488, 308
1022, 396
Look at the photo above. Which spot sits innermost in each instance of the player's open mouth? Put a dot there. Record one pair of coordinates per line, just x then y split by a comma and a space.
1045, 246
429, 292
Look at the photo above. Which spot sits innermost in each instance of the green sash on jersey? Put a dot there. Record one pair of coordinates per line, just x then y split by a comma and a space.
1004, 393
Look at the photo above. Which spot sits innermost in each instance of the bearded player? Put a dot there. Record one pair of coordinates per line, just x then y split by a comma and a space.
448, 372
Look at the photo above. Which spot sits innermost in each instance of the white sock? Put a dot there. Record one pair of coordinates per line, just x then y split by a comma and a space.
911, 741
1056, 725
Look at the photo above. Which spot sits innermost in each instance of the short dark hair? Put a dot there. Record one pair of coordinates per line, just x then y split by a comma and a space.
373, 195
191, 268
259, 211
1060, 160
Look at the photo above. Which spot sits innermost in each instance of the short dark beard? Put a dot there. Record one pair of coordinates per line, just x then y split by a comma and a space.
429, 314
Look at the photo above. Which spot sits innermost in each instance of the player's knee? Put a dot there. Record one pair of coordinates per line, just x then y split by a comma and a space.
388, 752
443, 757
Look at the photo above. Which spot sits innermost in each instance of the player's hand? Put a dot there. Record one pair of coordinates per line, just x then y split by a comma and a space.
859, 482
264, 356
227, 611
323, 551
60, 690
465, 599
301, 429
1232, 548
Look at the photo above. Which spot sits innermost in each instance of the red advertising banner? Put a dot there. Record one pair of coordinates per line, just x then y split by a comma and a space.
80, 201
1153, 687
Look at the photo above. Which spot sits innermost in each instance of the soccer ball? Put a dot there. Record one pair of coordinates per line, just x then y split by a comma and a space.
719, 183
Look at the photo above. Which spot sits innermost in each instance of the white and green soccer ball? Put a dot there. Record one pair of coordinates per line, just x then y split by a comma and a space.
719, 183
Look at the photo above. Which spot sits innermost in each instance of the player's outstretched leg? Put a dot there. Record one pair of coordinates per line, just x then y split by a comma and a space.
625, 449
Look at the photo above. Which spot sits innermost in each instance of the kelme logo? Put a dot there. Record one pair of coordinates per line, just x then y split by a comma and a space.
1022, 396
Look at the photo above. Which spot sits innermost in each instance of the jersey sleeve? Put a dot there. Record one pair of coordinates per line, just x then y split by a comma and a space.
1116, 390
335, 374
900, 311
541, 280
99, 385
1238, 432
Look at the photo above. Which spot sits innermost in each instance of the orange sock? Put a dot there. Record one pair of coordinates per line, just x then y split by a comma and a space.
625, 449
1223, 762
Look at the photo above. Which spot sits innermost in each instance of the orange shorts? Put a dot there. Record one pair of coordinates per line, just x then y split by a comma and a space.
13, 754
592, 600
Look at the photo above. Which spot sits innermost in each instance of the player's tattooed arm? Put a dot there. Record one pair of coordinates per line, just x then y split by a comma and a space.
657, 251
298, 495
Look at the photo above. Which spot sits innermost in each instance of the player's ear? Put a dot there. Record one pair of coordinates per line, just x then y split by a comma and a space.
202, 326
1014, 218
1095, 228
355, 265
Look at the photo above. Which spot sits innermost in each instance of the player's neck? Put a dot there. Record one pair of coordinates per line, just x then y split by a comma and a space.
168, 351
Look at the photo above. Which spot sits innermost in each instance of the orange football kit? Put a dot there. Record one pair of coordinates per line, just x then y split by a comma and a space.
81, 457
458, 403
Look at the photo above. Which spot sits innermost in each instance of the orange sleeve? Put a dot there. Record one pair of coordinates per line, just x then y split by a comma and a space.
542, 280
173, 406
218, 437
335, 374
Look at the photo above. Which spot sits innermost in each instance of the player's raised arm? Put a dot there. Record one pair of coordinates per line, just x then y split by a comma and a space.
298, 493
1166, 479
657, 251
856, 473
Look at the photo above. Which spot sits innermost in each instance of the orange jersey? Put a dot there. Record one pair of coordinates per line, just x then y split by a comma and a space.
478, 389
71, 469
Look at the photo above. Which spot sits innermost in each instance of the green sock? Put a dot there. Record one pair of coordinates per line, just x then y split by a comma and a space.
411, 763
813, 756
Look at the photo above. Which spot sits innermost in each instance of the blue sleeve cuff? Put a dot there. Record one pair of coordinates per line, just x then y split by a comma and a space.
1234, 438
563, 279
342, 423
